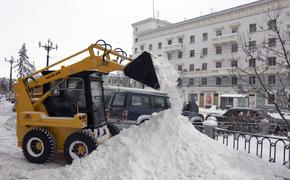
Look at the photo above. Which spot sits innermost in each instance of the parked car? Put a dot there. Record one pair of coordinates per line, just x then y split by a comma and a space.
249, 120
241, 115
129, 107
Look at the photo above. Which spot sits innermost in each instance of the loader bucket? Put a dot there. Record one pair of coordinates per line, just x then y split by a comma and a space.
142, 70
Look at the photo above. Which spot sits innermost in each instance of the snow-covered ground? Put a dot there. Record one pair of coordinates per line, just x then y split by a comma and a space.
167, 147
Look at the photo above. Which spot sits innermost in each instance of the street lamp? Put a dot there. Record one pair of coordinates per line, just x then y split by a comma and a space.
11, 61
48, 47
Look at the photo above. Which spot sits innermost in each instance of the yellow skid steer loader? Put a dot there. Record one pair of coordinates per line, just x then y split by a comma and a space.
60, 108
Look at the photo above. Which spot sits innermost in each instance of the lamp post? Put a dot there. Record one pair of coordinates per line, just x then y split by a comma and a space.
11, 61
48, 47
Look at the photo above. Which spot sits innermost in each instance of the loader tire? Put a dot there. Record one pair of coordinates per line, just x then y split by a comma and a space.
114, 130
78, 145
38, 146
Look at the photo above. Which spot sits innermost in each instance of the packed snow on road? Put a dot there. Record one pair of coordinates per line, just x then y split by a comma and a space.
166, 147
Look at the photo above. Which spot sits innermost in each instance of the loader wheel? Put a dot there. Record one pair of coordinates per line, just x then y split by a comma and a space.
114, 130
79, 144
38, 146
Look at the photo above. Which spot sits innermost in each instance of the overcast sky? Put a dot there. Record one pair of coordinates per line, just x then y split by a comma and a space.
75, 24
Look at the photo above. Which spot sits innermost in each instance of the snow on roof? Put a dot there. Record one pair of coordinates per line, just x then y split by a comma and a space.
120, 88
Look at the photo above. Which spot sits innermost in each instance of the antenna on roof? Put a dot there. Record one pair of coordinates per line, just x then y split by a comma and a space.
153, 10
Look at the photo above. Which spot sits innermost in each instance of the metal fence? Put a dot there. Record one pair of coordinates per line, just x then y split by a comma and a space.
273, 148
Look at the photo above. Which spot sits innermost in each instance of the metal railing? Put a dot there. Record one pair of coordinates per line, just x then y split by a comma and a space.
273, 148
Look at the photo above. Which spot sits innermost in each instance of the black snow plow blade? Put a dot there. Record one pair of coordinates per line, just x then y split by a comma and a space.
142, 70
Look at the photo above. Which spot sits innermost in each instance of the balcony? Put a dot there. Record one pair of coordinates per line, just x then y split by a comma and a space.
173, 47
226, 38
227, 71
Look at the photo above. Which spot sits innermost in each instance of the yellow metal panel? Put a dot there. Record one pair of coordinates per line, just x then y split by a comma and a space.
39, 119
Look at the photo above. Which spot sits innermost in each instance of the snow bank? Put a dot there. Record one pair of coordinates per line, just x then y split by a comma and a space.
167, 147
5, 108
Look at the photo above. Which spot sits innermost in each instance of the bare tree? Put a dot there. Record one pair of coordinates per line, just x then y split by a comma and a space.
4, 86
267, 71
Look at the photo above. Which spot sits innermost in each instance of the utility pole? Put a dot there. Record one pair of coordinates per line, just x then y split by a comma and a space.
11, 61
48, 47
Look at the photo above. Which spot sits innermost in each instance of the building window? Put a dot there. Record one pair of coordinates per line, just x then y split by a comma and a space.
136, 29
160, 45
204, 36
218, 50
218, 64
192, 39
252, 63
179, 82
235, 47
234, 80
235, 29
272, 61
234, 63
169, 42
169, 56
252, 45
204, 81
191, 67
272, 24
136, 40
180, 40
150, 47
179, 67
204, 66
191, 81
253, 28
271, 79
136, 50
218, 32
180, 54
272, 42
252, 80
191, 53
271, 99
218, 81
204, 51
142, 48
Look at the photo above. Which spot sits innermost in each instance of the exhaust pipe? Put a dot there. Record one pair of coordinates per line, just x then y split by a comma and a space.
142, 70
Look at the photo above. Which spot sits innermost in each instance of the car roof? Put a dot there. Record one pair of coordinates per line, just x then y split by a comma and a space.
246, 108
135, 90
243, 108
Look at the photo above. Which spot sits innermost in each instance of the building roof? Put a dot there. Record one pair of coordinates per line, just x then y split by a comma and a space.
150, 19
189, 21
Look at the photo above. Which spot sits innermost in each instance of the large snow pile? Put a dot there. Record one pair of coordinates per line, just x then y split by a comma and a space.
167, 147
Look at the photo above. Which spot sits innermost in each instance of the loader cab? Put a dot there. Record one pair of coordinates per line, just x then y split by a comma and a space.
80, 93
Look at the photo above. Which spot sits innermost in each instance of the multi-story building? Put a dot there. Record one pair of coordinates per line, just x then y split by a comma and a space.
207, 50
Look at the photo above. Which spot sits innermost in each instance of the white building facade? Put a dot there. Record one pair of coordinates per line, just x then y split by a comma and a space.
207, 49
